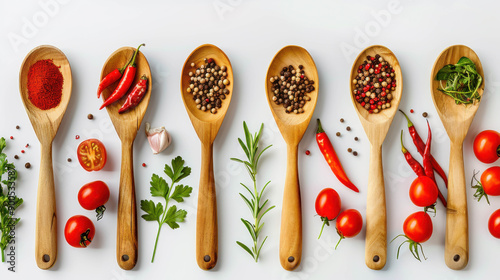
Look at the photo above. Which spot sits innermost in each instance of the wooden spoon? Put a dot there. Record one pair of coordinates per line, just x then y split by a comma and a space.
456, 120
46, 123
292, 127
206, 126
126, 126
376, 127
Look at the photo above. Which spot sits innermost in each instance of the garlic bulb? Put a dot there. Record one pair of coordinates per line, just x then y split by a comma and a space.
159, 138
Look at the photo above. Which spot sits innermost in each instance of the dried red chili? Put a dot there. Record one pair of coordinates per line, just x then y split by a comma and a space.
45, 83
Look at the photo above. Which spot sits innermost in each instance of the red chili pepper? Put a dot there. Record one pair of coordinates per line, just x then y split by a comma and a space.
125, 82
414, 164
331, 158
429, 172
418, 169
112, 77
421, 148
136, 95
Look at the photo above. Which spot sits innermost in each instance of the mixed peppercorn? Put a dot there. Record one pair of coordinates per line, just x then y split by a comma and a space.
290, 89
208, 85
374, 84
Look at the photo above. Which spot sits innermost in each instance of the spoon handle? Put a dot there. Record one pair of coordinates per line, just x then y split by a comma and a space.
46, 221
376, 220
456, 251
291, 215
206, 222
126, 246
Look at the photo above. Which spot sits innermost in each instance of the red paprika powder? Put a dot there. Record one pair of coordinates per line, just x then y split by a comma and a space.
45, 83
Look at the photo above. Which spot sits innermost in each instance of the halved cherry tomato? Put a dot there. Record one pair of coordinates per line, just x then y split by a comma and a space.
494, 224
489, 185
327, 206
423, 191
349, 224
93, 196
487, 146
91, 155
79, 231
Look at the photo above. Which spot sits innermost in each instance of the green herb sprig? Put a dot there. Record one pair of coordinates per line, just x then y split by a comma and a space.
462, 81
254, 200
160, 188
8, 202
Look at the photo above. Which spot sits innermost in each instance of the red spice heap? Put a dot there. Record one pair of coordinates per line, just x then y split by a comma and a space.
45, 83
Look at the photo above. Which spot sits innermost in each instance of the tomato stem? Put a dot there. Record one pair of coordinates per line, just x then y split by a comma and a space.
325, 222
100, 212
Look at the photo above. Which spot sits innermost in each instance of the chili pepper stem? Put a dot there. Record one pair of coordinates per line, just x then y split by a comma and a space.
410, 124
320, 129
135, 54
403, 149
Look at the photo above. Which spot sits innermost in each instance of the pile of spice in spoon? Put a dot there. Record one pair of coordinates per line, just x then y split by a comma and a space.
208, 84
290, 89
374, 84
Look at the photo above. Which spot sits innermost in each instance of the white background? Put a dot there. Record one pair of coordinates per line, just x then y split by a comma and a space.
250, 33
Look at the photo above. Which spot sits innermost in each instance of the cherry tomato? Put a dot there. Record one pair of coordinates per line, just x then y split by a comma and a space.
79, 231
423, 191
91, 155
487, 146
93, 196
327, 206
418, 227
349, 224
494, 224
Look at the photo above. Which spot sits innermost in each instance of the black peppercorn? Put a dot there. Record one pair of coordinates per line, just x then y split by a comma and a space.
27, 165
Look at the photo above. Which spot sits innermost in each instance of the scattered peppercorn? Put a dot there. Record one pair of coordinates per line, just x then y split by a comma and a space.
143, 164
355, 153
27, 145
90, 116
374, 84
412, 111
424, 114
16, 156
27, 165
22, 151
12, 137
290, 89
308, 152
341, 120
18, 127
338, 134
208, 85
69, 159
77, 137
356, 138
349, 150
348, 128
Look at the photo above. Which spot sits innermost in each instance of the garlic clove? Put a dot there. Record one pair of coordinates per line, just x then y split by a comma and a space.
159, 138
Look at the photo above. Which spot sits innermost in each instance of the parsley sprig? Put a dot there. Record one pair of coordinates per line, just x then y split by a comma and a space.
160, 188
8, 202
254, 200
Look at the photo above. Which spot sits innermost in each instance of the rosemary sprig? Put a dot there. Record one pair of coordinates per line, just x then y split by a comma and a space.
254, 200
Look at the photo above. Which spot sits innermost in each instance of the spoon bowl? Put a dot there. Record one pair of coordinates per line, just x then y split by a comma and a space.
126, 126
206, 126
292, 127
376, 127
45, 124
456, 120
